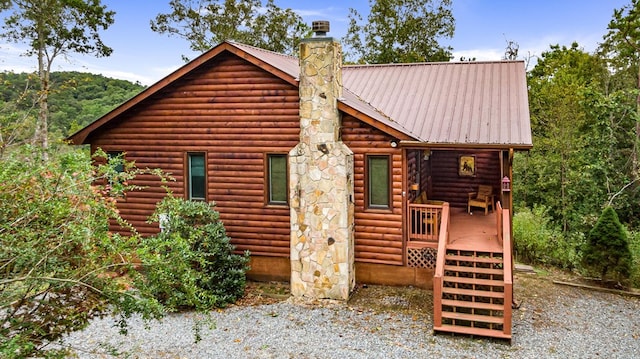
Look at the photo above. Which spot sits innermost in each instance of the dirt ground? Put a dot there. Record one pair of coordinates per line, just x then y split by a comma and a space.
534, 289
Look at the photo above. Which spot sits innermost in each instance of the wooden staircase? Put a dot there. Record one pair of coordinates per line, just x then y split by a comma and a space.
473, 287
473, 295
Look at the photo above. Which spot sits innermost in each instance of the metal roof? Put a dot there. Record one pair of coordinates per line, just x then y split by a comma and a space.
481, 104
475, 103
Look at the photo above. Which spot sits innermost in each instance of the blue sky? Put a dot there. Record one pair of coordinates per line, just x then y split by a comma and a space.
482, 29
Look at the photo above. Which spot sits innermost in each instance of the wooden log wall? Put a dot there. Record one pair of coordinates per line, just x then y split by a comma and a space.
378, 237
235, 113
448, 186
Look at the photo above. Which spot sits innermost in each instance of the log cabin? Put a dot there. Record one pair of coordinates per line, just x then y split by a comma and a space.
331, 175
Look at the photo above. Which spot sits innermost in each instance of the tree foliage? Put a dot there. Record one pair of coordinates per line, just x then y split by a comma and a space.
621, 48
76, 99
606, 251
60, 265
559, 173
55, 28
399, 31
205, 23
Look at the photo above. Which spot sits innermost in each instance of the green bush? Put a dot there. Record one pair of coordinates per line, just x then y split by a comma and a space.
606, 251
57, 257
537, 240
191, 263
634, 246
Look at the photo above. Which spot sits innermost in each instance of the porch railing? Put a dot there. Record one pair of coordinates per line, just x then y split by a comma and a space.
425, 221
504, 236
424, 225
438, 278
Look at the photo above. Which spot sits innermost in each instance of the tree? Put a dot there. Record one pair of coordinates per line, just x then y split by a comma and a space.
55, 28
621, 47
399, 31
560, 174
60, 265
606, 251
205, 23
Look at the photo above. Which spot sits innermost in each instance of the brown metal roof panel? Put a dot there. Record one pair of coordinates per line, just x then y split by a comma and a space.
286, 63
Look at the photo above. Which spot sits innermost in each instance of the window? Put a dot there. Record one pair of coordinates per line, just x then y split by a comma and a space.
277, 186
378, 182
197, 176
117, 157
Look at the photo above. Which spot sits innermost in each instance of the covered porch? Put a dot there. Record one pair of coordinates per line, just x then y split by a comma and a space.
468, 248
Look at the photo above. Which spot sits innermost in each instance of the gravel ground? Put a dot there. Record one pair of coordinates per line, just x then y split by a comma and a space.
553, 322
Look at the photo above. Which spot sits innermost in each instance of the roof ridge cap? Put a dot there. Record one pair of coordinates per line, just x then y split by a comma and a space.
240, 44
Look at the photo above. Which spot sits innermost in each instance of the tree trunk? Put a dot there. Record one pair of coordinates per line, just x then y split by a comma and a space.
42, 131
635, 172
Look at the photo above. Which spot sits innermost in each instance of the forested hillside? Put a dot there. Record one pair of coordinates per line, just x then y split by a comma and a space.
76, 100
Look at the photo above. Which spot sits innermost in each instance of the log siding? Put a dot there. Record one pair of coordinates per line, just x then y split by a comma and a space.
378, 234
235, 113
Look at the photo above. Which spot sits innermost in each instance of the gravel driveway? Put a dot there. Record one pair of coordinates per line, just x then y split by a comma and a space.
553, 322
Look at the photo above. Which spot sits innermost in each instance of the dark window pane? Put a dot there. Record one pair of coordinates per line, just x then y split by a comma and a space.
278, 179
112, 155
378, 181
197, 183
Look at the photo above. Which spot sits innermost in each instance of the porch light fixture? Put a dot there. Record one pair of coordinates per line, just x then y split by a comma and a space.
393, 143
426, 154
506, 184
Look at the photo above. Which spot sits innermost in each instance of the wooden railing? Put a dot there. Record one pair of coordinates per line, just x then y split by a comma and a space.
504, 232
499, 221
438, 278
425, 221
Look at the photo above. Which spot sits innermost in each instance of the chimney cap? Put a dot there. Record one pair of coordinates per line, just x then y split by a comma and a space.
320, 27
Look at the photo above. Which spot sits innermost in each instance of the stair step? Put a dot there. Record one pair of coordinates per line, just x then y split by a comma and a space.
473, 269
472, 331
473, 317
466, 280
456, 257
472, 292
475, 305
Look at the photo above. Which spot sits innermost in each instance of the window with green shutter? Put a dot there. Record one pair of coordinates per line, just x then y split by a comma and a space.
378, 182
277, 187
197, 185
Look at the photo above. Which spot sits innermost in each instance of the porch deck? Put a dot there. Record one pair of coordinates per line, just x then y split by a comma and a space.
475, 232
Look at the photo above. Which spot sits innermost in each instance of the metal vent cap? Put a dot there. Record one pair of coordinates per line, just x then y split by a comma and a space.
320, 27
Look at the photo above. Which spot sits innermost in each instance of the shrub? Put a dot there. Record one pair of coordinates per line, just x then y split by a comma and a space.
606, 251
634, 246
537, 240
191, 263
56, 254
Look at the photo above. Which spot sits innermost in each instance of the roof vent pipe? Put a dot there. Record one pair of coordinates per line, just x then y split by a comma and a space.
320, 28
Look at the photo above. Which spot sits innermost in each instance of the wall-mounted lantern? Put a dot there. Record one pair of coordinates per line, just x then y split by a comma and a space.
393, 143
506, 184
426, 154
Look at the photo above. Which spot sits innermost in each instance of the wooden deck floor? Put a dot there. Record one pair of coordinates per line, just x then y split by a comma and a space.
473, 232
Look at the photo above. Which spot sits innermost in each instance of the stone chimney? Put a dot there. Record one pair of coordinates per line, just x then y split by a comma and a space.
321, 178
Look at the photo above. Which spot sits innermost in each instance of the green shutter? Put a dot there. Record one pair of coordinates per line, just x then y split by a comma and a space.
278, 179
197, 185
378, 181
